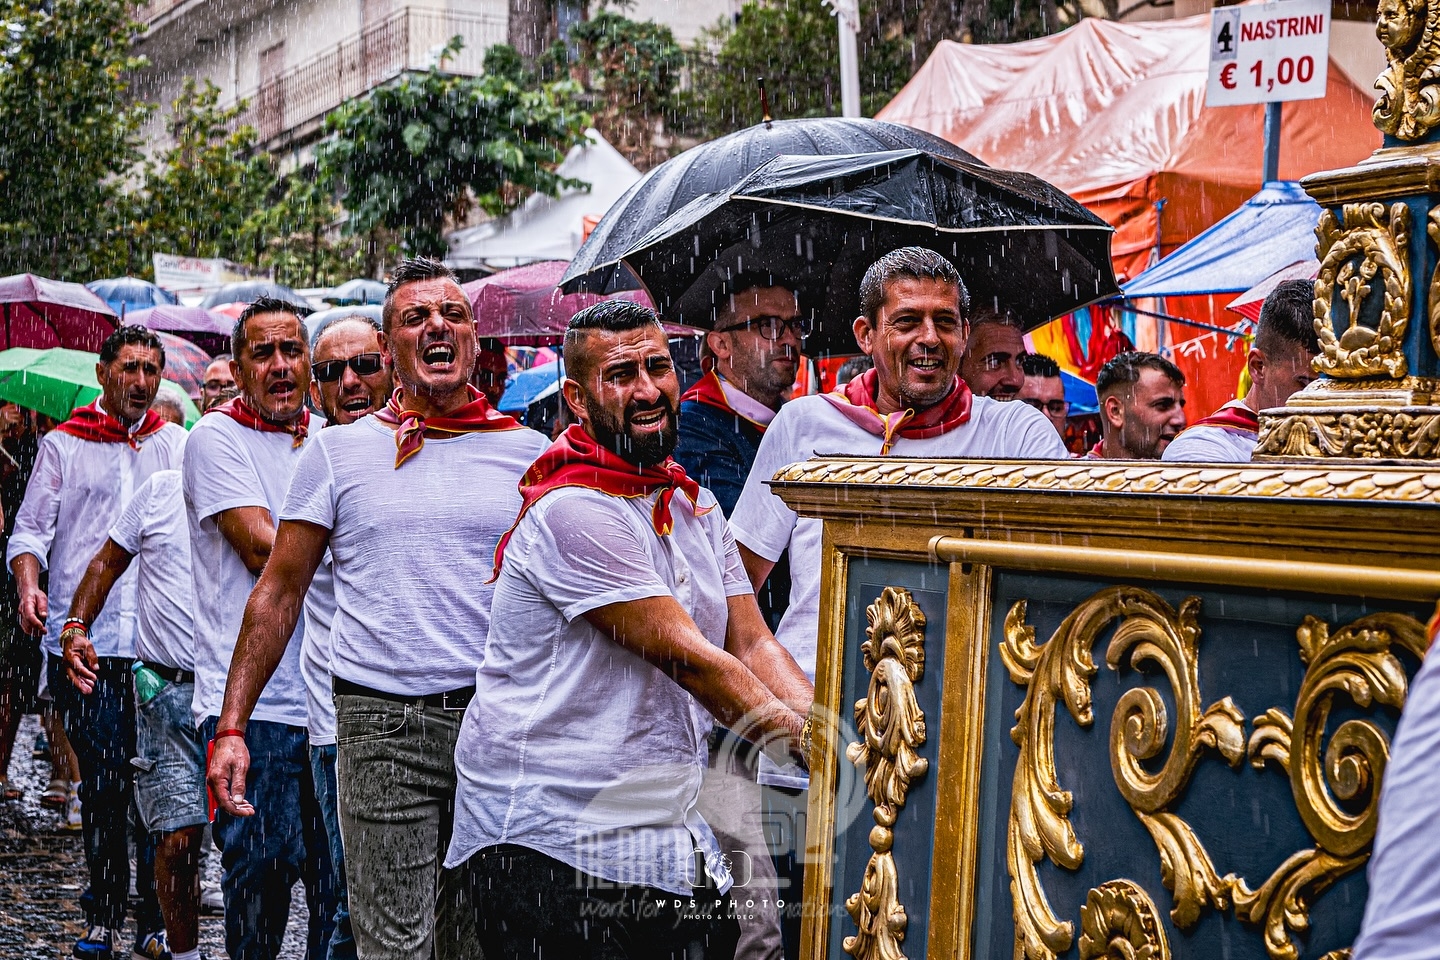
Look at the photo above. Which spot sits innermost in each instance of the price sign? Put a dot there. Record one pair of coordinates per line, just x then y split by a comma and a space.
1270, 52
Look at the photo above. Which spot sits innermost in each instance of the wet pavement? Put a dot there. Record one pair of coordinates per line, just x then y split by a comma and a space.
42, 874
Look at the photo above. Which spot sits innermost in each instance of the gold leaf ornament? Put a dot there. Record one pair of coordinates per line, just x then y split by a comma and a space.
1365, 244
1409, 103
1119, 922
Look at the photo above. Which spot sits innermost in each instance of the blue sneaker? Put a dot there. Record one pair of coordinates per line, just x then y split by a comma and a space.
152, 946
97, 944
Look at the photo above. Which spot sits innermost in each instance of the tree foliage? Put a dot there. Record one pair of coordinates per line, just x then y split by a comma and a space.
68, 132
416, 155
633, 68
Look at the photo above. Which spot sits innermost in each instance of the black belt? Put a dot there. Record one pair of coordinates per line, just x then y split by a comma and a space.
170, 674
449, 700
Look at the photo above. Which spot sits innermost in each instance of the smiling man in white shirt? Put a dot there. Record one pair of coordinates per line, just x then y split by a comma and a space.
86, 472
623, 628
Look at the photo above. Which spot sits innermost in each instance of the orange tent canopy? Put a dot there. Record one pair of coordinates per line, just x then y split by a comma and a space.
1114, 114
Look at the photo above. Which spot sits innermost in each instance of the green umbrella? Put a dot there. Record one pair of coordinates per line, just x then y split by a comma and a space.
56, 381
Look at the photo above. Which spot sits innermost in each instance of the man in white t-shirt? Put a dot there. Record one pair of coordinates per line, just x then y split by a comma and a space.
169, 757
623, 629
911, 404
1279, 363
238, 464
1142, 406
87, 470
410, 503
348, 381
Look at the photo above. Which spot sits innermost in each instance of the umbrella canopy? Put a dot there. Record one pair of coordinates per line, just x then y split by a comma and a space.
40, 313
127, 294
357, 291
1248, 304
523, 306
56, 381
533, 385
817, 223
1080, 393
185, 363
1272, 229
716, 166
318, 319
205, 328
248, 291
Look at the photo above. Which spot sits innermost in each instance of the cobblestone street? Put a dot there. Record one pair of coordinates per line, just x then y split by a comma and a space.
42, 874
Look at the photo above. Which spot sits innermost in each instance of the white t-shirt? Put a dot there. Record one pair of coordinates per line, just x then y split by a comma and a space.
1211, 444
315, 656
573, 745
810, 426
227, 466
412, 547
154, 530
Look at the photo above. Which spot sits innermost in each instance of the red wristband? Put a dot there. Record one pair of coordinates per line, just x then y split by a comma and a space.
229, 733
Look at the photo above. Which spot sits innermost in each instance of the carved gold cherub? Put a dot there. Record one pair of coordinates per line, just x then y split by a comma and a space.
1409, 103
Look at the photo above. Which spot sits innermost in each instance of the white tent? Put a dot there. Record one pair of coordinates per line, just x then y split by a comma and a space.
548, 228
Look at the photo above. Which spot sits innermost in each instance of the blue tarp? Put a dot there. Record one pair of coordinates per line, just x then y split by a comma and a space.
1272, 229
531, 386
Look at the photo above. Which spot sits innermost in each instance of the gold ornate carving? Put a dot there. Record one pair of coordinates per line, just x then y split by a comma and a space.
1358, 435
1119, 922
1100, 476
1380, 242
1356, 661
1060, 671
1432, 227
1409, 104
892, 728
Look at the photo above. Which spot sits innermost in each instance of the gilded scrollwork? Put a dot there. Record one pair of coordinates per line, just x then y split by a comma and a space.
1366, 435
1366, 244
1119, 922
1409, 103
892, 729
1432, 227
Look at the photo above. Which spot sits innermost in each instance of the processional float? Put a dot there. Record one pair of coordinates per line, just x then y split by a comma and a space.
1142, 710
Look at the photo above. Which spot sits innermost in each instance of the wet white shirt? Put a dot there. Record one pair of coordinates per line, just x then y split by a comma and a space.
1211, 444
573, 745
228, 466
77, 490
810, 426
412, 547
155, 531
315, 656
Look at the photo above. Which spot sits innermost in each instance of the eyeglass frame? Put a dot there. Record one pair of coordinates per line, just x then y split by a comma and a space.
1047, 406
348, 362
802, 327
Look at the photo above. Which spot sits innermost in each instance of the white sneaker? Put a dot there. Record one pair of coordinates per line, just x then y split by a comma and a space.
72, 812
212, 900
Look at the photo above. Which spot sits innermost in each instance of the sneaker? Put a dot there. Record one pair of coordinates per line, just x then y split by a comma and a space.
56, 794
212, 900
95, 945
152, 946
72, 812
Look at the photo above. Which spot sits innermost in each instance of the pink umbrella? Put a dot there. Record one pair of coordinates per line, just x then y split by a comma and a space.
185, 363
523, 307
1248, 304
205, 328
40, 313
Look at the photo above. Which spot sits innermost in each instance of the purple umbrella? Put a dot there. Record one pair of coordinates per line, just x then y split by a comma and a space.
185, 363
523, 306
205, 328
40, 313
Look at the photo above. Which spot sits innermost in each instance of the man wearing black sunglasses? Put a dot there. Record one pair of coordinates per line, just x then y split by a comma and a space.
347, 378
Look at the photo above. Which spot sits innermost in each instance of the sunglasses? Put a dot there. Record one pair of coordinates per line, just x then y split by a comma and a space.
773, 328
364, 365
1053, 407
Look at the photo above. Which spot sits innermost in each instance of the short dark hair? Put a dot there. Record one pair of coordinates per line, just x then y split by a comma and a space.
915, 263
1038, 365
989, 315
737, 283
1288, 316
128, 334
411, 270
608, 316
263, 305
1124, 369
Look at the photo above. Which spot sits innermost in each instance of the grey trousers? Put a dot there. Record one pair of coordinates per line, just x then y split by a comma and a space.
395, 778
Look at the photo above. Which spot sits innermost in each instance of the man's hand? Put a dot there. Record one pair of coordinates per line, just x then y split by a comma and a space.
78, 655
229, 762
34, 608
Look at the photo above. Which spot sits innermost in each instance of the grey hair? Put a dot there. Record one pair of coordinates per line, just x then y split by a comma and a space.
915, 263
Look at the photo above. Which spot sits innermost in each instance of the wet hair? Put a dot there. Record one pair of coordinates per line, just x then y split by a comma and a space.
990, 315
126, 335
609, 316
1038, 365
263, 305
411, 270
1288, 316
333, 322
914, 263
853, 368
169, 400
737, 284
1124, 370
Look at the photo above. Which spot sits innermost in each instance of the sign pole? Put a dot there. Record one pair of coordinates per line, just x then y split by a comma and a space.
1272, 141
847, 17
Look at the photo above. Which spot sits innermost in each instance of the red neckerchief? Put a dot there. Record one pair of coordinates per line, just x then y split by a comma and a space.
410, 426
576, 460
708, 390
244, 414
1234, 417
857, 403
90, 422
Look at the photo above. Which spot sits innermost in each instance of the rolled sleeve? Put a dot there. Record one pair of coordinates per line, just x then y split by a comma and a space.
589, 558
218, 476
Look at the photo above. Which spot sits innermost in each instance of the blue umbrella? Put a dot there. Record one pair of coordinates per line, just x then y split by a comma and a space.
530, 386
125, 294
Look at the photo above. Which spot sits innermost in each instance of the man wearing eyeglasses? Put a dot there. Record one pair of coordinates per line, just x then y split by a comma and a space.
991, 365
1044, 390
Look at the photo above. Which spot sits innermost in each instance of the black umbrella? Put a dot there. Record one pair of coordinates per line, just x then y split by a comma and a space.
248, 291
817, 223
715, 167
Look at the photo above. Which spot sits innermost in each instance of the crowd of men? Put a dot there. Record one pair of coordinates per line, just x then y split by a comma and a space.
480, 691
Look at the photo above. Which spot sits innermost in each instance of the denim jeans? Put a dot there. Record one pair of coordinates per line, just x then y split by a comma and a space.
262, 855
101, 728
530, 906
395, 772
322, 767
